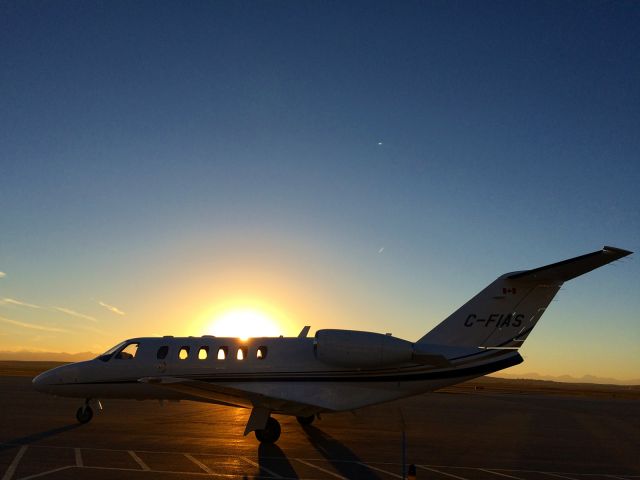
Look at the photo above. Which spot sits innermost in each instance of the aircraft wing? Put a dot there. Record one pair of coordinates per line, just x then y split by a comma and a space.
231, 396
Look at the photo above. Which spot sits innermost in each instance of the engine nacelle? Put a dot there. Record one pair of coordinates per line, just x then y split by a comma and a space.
351, 348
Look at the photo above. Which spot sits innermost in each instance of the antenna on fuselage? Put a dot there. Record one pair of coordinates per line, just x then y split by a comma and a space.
303, 333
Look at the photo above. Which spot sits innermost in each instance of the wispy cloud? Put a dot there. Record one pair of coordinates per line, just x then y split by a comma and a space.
2, 274
97, 331
13, 301
111, 308
31, 326
73, 313
68, 311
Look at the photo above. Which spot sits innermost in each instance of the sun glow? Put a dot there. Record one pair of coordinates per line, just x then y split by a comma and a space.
244, 323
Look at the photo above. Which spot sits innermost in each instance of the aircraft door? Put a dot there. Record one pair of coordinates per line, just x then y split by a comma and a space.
161, 359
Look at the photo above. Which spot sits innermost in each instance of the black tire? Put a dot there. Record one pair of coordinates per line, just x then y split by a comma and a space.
84, 414
271, 432
306, 420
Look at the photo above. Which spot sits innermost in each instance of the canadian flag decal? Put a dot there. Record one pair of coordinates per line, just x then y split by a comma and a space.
508, 290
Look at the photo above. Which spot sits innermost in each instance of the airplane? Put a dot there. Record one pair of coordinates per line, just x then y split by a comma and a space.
337, 370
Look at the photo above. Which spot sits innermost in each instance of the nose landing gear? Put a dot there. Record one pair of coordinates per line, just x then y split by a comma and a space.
84, 413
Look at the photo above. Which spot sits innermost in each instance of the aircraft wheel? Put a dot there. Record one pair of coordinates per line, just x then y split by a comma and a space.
271, 433
84, 414
306, 420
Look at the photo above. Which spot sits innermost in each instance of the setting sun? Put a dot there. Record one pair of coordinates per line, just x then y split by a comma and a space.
244, 323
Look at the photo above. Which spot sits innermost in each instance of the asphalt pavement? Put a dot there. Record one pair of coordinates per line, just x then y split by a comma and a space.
472, 435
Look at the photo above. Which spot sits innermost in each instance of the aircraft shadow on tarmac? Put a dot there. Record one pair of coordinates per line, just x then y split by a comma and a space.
339, 456
34, 437
272, 459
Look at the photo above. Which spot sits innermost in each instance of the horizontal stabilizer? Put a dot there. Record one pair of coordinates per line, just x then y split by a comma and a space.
439, 356
573, 267
437, 361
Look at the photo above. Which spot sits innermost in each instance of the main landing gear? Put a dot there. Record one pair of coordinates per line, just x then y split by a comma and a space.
270, 433
84, 413
306, 420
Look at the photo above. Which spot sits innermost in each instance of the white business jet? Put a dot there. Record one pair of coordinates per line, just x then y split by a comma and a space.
337, 370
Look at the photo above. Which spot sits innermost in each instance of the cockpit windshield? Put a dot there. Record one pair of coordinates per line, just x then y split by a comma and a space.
107, 355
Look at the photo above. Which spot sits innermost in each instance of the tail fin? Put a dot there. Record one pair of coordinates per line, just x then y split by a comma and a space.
504, 313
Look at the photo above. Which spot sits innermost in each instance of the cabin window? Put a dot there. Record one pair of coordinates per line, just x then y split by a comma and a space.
203, 353
242, 353
222, 353
128, 352
162, 352
184, 353
261, 353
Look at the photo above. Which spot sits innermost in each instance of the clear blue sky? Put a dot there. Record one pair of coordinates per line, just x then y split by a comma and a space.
364, 165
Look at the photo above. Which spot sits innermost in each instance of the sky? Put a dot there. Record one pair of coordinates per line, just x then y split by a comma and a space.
360, 165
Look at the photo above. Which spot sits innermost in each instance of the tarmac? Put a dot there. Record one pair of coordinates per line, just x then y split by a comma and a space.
468, 435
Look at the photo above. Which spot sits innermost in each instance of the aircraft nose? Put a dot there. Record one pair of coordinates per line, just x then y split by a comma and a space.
44, 381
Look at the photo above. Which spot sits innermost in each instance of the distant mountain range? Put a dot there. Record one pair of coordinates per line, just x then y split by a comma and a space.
24, 355
568, 378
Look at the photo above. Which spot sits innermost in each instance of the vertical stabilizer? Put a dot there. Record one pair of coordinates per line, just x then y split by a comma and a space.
504, 313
